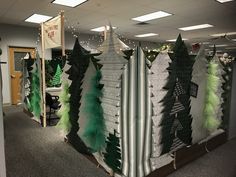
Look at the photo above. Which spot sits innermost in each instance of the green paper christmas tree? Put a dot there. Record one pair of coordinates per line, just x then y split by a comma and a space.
78, 61
56, 81
35, 98
94, 131
112, 156
63, 113
212, 100
176, 120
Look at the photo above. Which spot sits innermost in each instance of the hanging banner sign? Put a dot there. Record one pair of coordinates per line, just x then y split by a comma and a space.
52, 33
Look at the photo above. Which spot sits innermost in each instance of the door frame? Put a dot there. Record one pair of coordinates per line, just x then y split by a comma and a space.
11, 50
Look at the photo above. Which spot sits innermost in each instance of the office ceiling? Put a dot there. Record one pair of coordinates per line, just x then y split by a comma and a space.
96, 13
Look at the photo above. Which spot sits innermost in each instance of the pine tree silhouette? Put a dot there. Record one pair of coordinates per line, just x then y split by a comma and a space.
112, 156
79, 61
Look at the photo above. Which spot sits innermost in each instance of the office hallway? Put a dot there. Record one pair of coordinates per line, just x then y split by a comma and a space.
32, 151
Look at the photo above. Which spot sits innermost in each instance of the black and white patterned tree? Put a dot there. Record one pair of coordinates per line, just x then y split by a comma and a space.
176, 121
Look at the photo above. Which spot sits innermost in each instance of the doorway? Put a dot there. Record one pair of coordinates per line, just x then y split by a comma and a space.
16, 54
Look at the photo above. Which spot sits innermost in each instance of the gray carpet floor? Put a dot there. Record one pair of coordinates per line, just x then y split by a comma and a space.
32, 151
220, 162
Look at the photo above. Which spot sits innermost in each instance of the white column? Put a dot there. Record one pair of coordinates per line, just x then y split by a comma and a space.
2, 152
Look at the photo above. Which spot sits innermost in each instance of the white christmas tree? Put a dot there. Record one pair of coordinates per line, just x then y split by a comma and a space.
158, 79
113, 64
199, 77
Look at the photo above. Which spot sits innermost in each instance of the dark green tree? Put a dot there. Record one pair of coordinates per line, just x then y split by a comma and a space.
226, 95
79, 61
176, 121
112, 156
28, 64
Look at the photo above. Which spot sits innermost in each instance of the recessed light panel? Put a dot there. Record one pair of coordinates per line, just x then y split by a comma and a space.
220, 45
37, 18
102, 28
223, 1
223, 34
146, 35
195, 27
173, 40
69, 3
151, 16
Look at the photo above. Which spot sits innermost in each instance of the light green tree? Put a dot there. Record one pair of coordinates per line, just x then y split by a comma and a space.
56, 81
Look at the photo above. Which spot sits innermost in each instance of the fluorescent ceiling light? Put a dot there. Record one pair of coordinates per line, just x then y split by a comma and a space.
220, 45
146, 35
223, 1
37, 18
205, 42
223, 34
233, 39
151, 16
69, 3
173, 40
102, 28
195, 27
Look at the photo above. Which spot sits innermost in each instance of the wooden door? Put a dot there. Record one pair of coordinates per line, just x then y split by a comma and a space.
16, 56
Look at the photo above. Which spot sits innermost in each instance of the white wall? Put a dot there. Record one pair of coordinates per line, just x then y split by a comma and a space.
15, 36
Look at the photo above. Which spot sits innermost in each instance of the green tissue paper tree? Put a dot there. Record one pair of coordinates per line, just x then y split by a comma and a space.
95, 126
35, 98
56, 81
112, 156
212, 99
63, 113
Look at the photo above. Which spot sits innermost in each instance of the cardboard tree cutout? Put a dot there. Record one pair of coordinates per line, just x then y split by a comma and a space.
197, 103
35, 98
78, 61
176, 122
